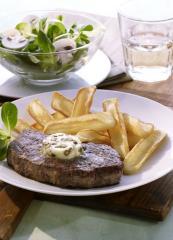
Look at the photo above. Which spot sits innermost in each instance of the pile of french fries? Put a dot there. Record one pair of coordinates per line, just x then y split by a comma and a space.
132, 138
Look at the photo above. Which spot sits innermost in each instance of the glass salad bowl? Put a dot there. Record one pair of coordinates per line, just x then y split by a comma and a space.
44, 47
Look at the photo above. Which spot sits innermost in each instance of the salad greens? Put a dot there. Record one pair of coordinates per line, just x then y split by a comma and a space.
45, 43
9, 119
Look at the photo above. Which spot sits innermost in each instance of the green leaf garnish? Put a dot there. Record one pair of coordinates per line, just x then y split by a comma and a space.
3, 152
87, 28
9, 115
3, 134
82, 39
55, 30
24, 28
47, 61
44, 43
3, 142
32, 46
72, 28
42, 24
60, 18
9, 118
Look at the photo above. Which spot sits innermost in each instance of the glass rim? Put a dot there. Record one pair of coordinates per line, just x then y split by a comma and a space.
120, 14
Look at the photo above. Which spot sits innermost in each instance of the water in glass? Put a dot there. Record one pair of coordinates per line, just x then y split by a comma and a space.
148, 56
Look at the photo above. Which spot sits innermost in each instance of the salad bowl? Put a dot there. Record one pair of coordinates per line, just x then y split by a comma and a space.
45, 47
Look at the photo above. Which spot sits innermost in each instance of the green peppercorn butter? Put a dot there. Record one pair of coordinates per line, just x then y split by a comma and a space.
62, 146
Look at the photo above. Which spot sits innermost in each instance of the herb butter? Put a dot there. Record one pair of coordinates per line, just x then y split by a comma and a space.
62, 146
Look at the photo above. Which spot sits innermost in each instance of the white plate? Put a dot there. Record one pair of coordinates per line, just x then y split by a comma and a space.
143, 108
94, 72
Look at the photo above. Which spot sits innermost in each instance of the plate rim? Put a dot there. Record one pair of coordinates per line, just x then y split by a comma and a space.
95, 191
87, 192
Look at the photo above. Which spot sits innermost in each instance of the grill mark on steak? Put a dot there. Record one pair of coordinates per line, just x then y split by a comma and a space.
99, 165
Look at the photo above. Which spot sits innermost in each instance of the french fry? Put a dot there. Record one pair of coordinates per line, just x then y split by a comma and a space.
136, 158
95, 121
83, 101
137, 127
132, 139
118, 133
21, 126
62, 104
39, 113
58, 115
104, 133
37, 126
93, 136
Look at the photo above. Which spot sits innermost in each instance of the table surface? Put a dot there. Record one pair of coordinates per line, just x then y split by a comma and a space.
74, 223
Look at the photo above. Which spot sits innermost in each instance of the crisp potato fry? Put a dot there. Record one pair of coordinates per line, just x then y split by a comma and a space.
39, 113
118, 133
58, 115
21, 126
104, 133
37, 126
132, 139
83, 101
62, 104
135, 159
93, 136
137, 127
95, 121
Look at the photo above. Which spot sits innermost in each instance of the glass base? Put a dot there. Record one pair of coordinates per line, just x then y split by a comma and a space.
49, 82
149, 74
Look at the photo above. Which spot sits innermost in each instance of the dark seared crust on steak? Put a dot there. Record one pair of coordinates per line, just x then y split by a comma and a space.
100, 165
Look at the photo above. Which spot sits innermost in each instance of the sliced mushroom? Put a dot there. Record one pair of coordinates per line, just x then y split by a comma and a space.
64, 44
65, 57
17, 42
12, 33
32, 19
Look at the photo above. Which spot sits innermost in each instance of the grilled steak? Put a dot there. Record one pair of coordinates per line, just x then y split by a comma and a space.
99, 165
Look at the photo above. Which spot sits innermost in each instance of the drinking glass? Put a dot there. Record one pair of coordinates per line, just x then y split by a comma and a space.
146, 33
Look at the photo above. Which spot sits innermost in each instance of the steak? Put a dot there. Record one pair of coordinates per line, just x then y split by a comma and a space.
99, 165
